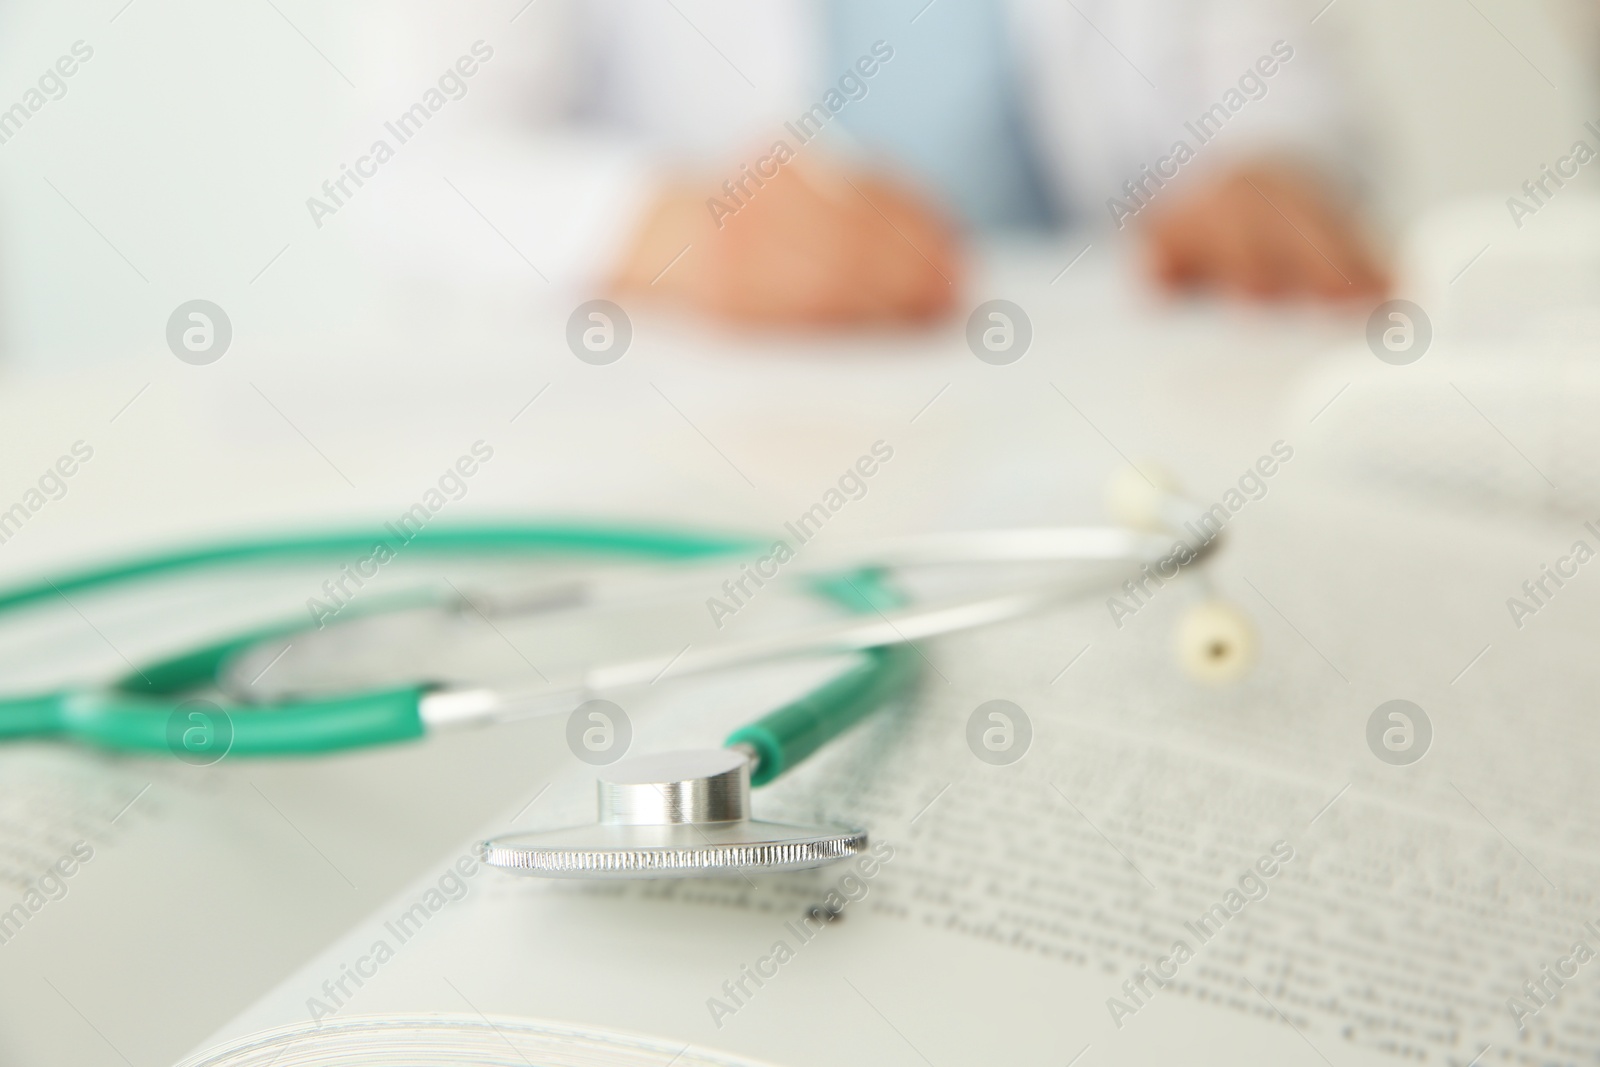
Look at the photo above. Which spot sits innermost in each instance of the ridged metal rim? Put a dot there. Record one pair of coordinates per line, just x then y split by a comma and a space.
731, 858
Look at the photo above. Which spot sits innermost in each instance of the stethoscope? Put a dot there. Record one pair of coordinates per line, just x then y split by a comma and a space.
665, 815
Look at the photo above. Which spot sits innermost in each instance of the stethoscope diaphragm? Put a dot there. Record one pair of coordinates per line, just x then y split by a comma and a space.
674, 815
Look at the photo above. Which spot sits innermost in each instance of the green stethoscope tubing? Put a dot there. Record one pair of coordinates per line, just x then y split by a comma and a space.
133, 713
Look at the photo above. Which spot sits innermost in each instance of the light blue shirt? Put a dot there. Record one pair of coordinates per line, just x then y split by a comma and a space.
946, 109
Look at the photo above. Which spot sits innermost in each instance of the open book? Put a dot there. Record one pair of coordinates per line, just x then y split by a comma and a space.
1170, 873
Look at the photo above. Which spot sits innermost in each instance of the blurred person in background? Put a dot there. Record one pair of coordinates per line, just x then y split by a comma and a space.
821, 162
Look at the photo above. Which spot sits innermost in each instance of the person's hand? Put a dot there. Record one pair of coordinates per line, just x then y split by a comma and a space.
812, 247
1264, 231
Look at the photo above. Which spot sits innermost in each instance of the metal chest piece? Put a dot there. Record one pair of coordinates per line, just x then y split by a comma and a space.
674, 815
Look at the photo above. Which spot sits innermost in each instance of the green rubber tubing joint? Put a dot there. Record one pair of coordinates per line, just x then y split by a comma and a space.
787, 736
793, 732
146, 710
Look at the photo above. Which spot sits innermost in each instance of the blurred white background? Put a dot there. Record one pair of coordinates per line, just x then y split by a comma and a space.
134, 192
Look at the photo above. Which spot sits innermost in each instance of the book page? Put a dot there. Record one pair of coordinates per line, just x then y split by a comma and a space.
144, 900
1169, 870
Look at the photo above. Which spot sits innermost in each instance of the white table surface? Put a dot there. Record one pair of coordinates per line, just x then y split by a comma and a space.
694, 426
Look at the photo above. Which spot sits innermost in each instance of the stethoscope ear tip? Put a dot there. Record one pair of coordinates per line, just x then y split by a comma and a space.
1138, 495
1215, 642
